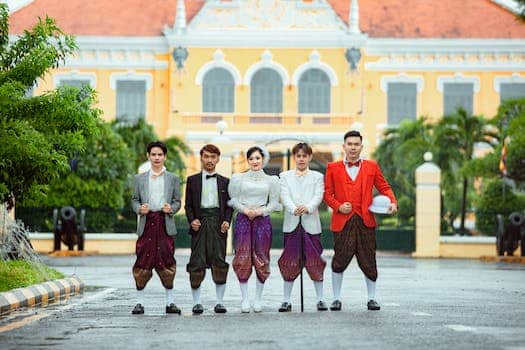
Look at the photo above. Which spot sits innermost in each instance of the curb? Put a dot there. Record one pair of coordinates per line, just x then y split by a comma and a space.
40, 294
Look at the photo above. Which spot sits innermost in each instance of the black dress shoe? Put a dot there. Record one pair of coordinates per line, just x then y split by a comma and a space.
321, 306
219, 309
373, 305
172, 309
336, 305
138, 310
197, 309
285, 307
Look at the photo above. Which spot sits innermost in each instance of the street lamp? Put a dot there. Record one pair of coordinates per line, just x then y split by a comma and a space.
353, 56
180, 54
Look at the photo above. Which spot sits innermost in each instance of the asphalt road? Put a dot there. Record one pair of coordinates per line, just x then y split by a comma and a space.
433, 304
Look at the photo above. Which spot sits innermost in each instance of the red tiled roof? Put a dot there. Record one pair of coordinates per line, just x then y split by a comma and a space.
378, 18
104, 17
433, 19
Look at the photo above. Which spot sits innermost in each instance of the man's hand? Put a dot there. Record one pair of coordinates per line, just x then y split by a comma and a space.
166, 208
144, 209
345, 208
195, 225
393, 209
300, 210
225, 226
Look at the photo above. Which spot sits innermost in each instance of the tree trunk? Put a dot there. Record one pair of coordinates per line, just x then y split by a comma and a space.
462, 229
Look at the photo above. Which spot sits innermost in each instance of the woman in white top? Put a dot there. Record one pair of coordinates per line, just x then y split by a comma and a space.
254, 195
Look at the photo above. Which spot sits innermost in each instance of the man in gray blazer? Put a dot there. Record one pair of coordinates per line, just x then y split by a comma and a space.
156, 199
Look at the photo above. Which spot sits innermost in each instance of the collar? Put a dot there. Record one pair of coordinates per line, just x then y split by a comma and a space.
301, 173
155, 175
357, 163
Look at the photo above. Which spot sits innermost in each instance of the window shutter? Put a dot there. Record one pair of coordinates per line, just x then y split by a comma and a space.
266, 92
512, 91
131, 100
314, 92
401, 102
218, 91
458, 95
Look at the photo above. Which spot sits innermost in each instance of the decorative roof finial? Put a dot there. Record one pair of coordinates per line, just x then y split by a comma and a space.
180, 19
353, 18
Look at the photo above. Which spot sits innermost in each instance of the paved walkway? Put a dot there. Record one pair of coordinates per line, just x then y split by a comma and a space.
438, 304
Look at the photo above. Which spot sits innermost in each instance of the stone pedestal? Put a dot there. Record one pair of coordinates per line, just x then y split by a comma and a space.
428, 209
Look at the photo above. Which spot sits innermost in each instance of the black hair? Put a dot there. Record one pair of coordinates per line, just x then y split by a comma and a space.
158, 144
306, 148
253, 149
353, 133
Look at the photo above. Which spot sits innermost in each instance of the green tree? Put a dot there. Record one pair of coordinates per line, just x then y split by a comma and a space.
138, 135
39, 134
399, 154
457, 134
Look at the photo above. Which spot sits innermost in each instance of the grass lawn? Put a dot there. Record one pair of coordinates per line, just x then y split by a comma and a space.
21, 273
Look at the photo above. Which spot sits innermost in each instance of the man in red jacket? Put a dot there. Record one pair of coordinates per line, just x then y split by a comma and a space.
348, 191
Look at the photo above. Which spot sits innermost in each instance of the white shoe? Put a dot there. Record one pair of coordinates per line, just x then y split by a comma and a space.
245, 306
257, 307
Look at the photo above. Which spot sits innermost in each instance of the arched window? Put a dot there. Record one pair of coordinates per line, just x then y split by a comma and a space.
218, 91
314, 92
266, 92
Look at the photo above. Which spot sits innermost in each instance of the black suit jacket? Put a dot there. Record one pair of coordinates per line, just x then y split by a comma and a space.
192, 204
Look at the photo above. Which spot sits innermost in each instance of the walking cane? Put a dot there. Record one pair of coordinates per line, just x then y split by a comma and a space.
301, 248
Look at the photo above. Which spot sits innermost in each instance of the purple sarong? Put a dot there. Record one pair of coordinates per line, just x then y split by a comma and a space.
252, 247
155, 249
290, 260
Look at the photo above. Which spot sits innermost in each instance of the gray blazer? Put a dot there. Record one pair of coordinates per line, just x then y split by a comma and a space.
141, 195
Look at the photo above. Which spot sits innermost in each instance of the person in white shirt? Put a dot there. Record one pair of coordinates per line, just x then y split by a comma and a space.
301, 194
156, 199
254, 195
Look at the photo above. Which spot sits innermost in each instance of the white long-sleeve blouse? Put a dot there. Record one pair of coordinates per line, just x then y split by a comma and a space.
254, 190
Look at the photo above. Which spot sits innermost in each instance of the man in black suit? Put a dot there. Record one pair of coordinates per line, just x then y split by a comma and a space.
209, 217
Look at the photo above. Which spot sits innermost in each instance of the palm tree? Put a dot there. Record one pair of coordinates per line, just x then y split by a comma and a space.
456, 136
401, 152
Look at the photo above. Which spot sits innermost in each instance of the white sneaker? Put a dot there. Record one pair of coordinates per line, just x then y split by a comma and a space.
257, 307
245, 306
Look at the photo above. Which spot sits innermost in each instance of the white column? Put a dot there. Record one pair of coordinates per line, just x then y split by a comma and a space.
428, 209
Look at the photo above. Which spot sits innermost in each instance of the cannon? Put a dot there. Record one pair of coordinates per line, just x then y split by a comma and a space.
69, 229
508, 236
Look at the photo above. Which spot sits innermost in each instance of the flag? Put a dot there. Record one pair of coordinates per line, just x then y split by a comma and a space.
503, 158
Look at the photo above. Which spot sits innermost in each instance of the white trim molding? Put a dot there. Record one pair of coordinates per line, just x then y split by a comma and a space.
261, 137
315, 63
130, 75
76, 75
267, 62
218, 62
402, 78
457, 78
514, 78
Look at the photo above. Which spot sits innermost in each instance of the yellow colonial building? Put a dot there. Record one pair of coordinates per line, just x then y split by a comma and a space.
281, 71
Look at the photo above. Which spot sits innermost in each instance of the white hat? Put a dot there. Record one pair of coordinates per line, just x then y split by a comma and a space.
380, 205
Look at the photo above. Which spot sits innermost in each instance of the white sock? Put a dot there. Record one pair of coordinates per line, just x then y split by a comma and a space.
244, 290
170, 297
140, 297
196, 294
319, 290
337, 282
371, 287
287, 291
219, 291
259, 286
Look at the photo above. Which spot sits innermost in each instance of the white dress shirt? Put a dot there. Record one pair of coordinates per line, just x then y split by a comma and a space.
210, 194
156, 191
304, 190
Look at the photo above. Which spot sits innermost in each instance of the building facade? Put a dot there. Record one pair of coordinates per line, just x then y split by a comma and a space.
281, 71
